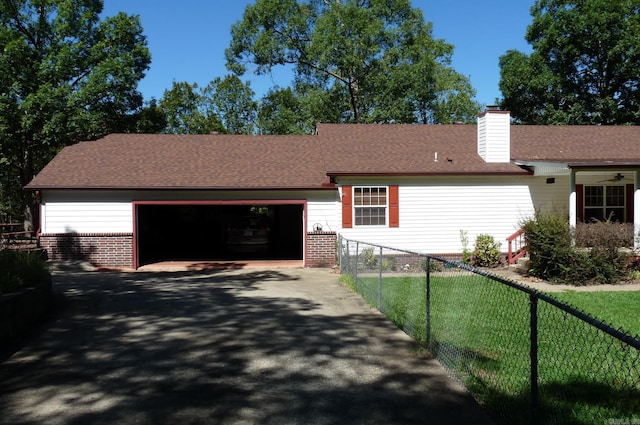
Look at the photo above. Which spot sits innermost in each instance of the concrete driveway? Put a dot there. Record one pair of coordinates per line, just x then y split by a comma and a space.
228, 346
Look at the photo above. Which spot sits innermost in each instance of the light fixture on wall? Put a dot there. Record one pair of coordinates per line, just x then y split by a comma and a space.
317, 227
551, 180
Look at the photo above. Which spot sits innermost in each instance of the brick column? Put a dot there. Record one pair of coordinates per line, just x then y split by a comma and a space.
321, 249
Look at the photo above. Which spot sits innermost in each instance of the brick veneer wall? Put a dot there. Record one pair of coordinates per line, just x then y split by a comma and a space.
102, 250
321, 249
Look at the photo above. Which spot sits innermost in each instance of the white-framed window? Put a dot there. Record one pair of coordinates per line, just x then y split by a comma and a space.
604, 203
370, 206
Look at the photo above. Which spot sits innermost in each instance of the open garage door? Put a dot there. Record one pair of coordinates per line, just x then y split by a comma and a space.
214, 232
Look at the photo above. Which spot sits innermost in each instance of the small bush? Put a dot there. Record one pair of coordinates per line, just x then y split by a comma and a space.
466, 252
434, 266
486, 252
20, 269
369, 258
390, 264
608, 233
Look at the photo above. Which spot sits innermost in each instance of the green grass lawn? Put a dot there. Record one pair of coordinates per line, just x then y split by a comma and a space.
479, 329
620, 309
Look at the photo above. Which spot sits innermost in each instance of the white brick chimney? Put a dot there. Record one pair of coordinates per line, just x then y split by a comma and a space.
494, 135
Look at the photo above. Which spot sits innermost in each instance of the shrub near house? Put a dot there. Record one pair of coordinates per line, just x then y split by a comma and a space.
595, 257
21, 269
25, 292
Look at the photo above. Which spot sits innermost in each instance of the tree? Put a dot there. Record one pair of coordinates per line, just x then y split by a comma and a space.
185, 111
375, 60
584, 66
65, 75
282, 111
223, 106
232, 101
150, 119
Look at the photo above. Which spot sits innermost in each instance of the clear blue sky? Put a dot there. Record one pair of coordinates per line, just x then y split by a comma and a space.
187, 39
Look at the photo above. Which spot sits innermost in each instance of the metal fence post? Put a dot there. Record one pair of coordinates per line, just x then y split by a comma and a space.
533, 303
339, 248
348, 258
355, 272
380, 281
427, 306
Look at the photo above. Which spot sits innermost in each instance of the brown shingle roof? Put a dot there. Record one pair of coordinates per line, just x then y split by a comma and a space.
154, 161
158, 161
576, 144
405, 149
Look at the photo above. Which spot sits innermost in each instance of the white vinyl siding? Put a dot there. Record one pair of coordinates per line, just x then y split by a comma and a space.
323, 209
87, 217
434, 211
112, 211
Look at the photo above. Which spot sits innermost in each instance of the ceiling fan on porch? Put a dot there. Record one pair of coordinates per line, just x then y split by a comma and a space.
617, 178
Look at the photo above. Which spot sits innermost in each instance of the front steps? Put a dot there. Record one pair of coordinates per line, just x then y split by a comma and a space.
521, 266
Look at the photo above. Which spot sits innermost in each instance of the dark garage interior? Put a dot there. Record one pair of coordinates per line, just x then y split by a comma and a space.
219, 232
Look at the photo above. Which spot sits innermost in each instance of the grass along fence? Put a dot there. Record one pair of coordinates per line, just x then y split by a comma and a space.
525, 356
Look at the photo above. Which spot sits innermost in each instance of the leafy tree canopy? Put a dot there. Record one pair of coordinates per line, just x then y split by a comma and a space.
225, 105
370, 60
65, 75
584, 66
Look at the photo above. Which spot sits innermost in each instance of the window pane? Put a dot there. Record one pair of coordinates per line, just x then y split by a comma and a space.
370, 216
615, 214
357, 196
593, 196
615, 196
592, 214
370, 206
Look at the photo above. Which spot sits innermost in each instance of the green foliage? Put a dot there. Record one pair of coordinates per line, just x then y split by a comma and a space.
354, 61
284, 111
554, 256
223, 106
184, 108
467, 254
583, 68
66, 74
21, 268
232, 101
486, 252
368, 257
434, 266
390, 264
548, 239
150, 119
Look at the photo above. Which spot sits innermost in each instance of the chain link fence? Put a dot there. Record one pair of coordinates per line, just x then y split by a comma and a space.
525, 356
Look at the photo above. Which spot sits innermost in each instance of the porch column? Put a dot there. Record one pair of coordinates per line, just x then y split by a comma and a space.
573, 207
636, 209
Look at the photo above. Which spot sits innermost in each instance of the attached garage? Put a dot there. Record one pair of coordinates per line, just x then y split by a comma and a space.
129, 200
215, 231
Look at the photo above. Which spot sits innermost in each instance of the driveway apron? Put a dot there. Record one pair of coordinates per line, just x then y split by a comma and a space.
227, 346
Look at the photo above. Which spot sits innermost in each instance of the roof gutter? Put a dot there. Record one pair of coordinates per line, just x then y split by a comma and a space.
428, 174
173, 188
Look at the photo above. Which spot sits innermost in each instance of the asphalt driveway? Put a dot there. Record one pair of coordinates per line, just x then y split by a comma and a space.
248, 346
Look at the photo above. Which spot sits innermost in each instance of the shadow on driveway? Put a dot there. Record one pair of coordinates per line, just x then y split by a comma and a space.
290, 346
